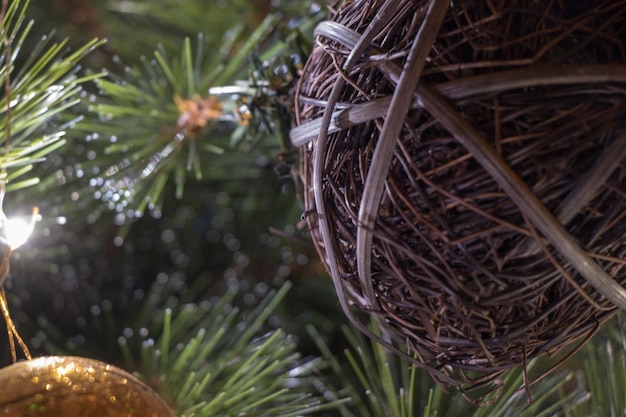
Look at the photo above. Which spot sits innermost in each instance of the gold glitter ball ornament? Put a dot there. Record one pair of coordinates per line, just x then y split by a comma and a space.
75, 387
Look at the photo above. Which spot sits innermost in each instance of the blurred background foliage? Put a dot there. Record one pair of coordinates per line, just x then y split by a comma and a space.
140, 220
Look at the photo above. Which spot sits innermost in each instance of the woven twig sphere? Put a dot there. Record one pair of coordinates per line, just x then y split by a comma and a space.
465, 177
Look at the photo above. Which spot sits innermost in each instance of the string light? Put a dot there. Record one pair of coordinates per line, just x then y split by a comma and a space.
17, 231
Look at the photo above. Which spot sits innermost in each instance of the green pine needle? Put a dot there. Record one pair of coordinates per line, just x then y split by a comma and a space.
603, 363
383, 384
143, 22
213, 362
210, 358
139, 135
44, 85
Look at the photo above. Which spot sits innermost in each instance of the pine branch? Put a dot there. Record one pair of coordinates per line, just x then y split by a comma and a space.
44, 83
156, 125
214, 358
603, 372
381, 383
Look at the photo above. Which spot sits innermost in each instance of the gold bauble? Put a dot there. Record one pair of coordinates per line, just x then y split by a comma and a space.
75, 387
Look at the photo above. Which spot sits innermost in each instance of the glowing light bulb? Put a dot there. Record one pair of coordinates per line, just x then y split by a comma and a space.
17, 231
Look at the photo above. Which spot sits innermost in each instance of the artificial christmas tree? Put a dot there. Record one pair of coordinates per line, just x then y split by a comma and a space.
169, 242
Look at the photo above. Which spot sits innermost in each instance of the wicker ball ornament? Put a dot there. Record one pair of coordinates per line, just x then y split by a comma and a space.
76, 387
464, 171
